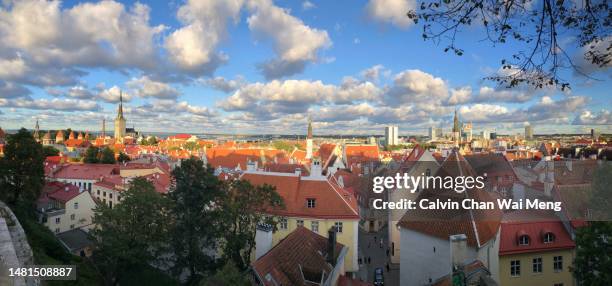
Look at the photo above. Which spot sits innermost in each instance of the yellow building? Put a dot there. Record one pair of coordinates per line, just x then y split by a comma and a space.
535, 253
316, 203
63, 207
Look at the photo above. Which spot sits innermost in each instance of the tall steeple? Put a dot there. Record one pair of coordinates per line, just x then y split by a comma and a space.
309, 136
120, 109
36, 130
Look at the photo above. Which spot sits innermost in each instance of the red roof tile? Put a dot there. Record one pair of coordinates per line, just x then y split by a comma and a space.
86, 171
514, 226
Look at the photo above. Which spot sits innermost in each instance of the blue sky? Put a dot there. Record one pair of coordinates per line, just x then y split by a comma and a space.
258, 66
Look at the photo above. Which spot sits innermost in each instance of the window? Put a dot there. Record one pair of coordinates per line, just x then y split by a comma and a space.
72, 226
524, 240
104, 194
76, 206
300, 222
428, 172
57, 230
549, 237
57, 220
72, 216
537, 265
558, 263
98, 192
338, 226
515, 268
110, 204
110, 195
314, 226
310, 203
118, 197
283, 223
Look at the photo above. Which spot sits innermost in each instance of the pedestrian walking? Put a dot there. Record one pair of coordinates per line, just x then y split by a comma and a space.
381, 243
387, 266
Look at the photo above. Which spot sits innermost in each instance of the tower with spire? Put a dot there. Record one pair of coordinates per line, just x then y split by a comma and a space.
120, 121
456, 129
36, 132
309, 140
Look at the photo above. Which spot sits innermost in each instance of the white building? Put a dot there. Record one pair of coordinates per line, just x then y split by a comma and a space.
392, 135
433, 134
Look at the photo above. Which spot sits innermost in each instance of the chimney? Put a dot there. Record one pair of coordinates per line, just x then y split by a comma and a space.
298, 171
66, 189
458, 250
331, 246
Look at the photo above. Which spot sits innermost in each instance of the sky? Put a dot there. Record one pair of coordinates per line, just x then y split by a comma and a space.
266, 67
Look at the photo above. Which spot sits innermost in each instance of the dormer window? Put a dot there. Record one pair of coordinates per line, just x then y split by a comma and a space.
549, 237
310, 203
524, 240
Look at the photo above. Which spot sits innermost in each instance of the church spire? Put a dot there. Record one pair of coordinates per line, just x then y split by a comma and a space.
309, 136
456, 122
36, 130
120, 109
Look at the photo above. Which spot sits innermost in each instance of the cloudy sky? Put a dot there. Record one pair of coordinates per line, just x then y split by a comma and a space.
261, 66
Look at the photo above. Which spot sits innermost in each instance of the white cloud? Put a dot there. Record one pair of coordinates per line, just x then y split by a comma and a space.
604, 117
112, 94
145, 87
192, 47
460, 95
78, 92
11, 90
417, 86
391, 11
307, 5
223, 84
294, 42
516, 95
373, 73
54, 104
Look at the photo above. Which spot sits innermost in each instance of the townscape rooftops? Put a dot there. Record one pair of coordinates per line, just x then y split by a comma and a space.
302, 251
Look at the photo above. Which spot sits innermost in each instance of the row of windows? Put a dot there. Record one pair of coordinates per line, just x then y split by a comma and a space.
314, 225
110, 195
537, 265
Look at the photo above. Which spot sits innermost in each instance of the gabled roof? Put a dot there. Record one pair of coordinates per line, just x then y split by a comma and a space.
86, 171
332, 201
60, 192
361, 153
326, 150
301, 251
489, 163
535, 225
479, 226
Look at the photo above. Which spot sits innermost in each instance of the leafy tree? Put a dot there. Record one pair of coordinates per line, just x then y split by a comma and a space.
196, 196
593, 245
132, 233
21, 169
191, 146
244, 206
593, 260
107, 156
283, 145
533, 26
229, 275
92, 155
123, 157
50, 151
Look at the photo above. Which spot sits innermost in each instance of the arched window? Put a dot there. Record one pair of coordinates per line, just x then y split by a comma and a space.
428, 172
524, 240
549, 237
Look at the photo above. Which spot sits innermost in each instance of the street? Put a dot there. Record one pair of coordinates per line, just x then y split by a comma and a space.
369, 248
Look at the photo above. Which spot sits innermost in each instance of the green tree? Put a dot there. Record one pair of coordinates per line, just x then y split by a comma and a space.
50, 151
282, 145
593, 245
244, 206
92, 155
594, 254
132, 233
21, 169
229, 275
196, 196
532, 28
191, 146
123, 157
107, 156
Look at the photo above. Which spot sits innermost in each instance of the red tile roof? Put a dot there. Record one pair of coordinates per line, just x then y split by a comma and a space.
301, 251
479, 226
325, 150
331, 200
524, 223
60, 192
86, 171
361, 153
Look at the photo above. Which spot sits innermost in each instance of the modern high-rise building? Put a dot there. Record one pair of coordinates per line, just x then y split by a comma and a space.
456, 130
486, 134
392, 135
528, 132
120, 121
595, 135
433, 134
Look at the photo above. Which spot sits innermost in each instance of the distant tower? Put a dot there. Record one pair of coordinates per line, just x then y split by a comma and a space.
456, 129
103, 129
309, 140
528, 132
47, 140
391, 135
120, 121
36, 130
59, 137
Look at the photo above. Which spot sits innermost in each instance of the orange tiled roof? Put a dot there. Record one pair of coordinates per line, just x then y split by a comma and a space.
86, 171
331, 200
361, 153
302, 251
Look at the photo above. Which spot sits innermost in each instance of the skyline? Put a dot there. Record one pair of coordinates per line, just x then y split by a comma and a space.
249, 67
